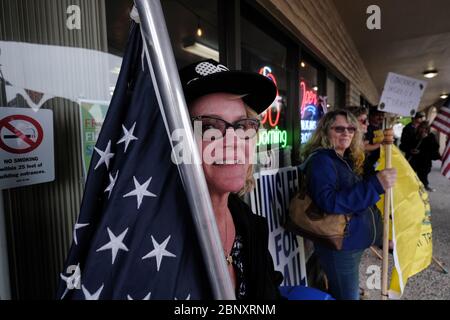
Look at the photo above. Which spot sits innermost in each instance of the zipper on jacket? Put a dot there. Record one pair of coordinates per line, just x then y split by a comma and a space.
374, 227
371, 211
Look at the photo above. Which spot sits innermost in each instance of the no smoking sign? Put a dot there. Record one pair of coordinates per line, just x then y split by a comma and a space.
20, 134
26, 147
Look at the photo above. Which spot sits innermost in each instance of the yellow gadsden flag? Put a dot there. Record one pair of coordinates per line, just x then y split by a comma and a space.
411, 223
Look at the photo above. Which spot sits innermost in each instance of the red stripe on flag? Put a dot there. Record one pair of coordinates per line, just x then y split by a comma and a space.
442, 124
445, 112
445, 169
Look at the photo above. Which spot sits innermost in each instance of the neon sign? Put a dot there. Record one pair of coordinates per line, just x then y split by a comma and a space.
273, 136
268, 114
309, 97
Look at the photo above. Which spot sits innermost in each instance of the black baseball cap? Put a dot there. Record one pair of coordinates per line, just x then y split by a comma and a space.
209, 76
419, 115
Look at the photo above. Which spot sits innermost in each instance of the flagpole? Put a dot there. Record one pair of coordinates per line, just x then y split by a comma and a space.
388, 141
160, 58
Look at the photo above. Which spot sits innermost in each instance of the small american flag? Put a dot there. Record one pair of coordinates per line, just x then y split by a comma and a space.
442, 121
134, 238
445, 169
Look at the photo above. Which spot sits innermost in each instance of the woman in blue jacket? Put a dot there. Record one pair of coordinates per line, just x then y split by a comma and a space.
333, 167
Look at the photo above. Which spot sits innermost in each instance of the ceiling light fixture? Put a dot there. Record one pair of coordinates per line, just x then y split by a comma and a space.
199, 30
444, 96
201, 50
430, 73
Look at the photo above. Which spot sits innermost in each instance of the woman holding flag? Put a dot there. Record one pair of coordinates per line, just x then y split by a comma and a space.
225, 104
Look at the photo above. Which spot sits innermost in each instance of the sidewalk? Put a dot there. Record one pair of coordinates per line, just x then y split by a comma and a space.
430, 284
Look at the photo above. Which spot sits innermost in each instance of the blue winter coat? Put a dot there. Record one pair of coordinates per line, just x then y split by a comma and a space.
336, 188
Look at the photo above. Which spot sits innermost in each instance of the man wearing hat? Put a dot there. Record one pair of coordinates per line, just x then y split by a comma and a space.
226, 103
408, 138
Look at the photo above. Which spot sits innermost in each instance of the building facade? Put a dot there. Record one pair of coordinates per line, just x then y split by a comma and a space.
65, 56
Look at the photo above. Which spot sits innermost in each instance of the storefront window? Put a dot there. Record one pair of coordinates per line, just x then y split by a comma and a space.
262, 53
335, 92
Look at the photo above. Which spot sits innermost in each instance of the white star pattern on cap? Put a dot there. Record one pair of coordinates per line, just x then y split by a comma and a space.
206, 68
127, 136
159, 252
140, 191
115, 244
105, 156
95, 296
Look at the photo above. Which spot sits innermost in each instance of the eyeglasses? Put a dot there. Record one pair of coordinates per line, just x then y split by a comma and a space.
363, 121
341, 129
247, 126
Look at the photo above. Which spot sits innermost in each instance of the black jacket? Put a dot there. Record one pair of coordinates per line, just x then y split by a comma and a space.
428, 150
408, 139
261, 278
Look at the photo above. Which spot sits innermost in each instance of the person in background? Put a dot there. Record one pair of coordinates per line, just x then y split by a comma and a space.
408, 138
374, 136
361, 114
333, 171
426, 149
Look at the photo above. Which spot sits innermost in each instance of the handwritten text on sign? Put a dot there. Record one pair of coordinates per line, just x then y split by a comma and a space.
401, 94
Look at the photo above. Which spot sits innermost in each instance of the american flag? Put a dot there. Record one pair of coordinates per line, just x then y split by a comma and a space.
134, 238
445, 169
442, 121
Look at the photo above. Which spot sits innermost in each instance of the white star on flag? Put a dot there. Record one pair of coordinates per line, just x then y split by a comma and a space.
187, 298
112, 182
127, 136
105, 156
95, 296
73, 281
78, 226
140, 191
159, 252
115, 244
147, 297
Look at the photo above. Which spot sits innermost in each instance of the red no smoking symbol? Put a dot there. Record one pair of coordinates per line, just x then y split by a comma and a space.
23, 134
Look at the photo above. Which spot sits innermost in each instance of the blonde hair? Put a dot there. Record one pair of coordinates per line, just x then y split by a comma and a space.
249, 183
320, 138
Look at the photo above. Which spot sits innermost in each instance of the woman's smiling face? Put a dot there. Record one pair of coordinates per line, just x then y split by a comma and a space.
228, 171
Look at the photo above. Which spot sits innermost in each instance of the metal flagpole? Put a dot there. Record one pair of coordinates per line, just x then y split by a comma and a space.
160, 58
388, 141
